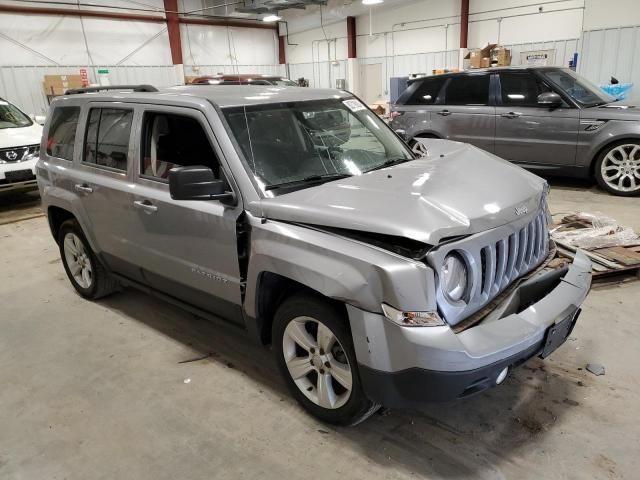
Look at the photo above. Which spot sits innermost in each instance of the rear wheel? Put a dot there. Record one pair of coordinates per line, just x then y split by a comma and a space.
315, 355
87, 275
617, 168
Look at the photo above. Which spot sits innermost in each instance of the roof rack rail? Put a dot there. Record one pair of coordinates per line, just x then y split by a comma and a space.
135, 88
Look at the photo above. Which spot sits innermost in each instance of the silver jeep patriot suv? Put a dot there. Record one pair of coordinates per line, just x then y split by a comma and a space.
379, 277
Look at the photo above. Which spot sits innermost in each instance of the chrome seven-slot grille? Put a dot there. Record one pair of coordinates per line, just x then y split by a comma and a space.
495, 259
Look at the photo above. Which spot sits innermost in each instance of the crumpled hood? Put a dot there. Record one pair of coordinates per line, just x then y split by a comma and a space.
457, 189
20, 136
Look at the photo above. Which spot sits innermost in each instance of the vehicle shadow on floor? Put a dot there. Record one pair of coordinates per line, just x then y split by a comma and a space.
470, 438
16, 206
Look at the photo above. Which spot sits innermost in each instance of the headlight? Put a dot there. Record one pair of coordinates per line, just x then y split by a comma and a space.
453, 277
34, 152
412, 319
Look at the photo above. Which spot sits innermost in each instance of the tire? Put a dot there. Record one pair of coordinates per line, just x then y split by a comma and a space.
303, 316
617, 168
87, 275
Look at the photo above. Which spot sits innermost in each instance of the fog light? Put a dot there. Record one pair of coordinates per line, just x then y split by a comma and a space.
502, 375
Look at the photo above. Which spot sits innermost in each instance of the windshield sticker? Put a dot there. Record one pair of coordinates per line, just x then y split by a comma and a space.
354, 105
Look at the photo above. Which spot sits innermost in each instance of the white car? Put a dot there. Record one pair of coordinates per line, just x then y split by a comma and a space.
19, 148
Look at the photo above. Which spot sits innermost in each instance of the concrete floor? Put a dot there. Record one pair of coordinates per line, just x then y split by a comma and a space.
97, 391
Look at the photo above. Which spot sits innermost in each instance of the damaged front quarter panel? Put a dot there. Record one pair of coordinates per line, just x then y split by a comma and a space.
337, 267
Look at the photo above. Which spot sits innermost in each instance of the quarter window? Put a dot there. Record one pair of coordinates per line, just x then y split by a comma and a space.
468, 90
521, 89
62, 132
174, 141
107, 141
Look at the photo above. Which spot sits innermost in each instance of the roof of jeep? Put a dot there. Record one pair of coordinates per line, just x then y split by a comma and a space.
219, 95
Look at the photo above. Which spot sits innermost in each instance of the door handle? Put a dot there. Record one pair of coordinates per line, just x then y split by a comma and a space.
83, 188
145, 205
511, 115
444, 113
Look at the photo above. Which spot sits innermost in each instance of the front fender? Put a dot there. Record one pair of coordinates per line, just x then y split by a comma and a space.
590, 145
339, 268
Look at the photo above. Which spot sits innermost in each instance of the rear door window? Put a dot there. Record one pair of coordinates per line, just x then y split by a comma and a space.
62, 132
467, 90
107, 138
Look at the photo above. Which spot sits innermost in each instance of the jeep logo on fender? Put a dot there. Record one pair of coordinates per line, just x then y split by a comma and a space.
521, 210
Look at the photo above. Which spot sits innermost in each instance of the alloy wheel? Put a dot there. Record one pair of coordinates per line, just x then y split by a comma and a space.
620, 168
78, 260
317, 362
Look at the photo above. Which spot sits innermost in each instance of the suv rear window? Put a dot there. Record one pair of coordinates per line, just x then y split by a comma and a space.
107, 140
62, 132
467, 90
425, 92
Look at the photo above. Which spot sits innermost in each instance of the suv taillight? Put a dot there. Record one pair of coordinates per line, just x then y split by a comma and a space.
395, 114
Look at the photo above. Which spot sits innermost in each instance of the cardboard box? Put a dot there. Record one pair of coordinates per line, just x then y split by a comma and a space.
476, 55
485, 62
501, 57
69, 81
59, 84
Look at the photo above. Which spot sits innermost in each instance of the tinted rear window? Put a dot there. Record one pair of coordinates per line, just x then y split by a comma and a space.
467, 90
107, 141
425, 92
62, 132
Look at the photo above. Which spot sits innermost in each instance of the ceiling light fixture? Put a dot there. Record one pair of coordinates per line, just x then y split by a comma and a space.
271, 18
371, 2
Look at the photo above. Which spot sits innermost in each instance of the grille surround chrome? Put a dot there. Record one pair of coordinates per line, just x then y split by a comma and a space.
495, 259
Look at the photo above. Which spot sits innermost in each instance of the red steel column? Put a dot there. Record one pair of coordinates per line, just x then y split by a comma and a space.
464, 22
282, 55
173, 27
351, 37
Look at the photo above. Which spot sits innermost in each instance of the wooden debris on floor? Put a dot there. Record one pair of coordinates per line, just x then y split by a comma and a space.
612, 248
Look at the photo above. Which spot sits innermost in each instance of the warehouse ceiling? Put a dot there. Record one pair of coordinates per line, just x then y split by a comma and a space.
266, 6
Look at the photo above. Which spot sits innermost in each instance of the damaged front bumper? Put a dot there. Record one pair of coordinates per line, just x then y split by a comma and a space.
403, 366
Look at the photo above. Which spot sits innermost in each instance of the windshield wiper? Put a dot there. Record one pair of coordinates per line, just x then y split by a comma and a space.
310, 179
388, 163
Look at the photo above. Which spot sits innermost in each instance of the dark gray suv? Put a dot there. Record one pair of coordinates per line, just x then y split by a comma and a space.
544, 118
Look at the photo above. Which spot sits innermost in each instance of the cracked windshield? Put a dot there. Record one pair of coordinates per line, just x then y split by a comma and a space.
294, 145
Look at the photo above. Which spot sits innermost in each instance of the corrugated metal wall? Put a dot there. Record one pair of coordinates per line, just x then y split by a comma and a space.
22, 85
231, 69
319, 73
564, 50
612, 52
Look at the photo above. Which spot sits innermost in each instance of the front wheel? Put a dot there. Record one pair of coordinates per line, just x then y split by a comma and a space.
315, 355
617, 169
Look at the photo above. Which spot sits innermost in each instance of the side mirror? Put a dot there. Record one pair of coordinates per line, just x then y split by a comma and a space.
196, 183
549, 99
402, 134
